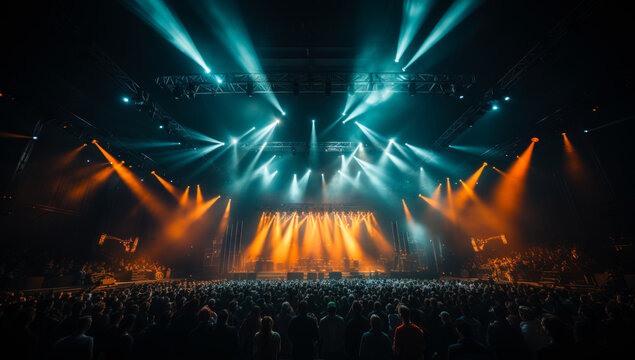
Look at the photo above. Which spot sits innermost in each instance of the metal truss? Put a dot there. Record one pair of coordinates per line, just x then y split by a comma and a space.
189, 86
140, 97
303, 147
538, 53
311, 207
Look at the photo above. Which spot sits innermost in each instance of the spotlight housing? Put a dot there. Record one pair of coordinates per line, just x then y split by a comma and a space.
534, 139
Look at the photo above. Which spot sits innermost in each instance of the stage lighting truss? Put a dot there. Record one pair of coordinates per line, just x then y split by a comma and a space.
301, 208
303, 147
318, 83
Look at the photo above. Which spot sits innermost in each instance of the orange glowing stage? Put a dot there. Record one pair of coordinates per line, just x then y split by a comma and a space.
318, 241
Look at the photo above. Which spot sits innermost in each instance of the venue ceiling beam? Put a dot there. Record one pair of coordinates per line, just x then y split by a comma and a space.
189, 86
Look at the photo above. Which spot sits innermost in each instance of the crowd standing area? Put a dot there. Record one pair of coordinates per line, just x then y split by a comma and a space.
531, 263
18, 267
345, 319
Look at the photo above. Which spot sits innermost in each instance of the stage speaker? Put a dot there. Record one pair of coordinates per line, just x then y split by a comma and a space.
320, 276
295, 276
311, 276
335, 275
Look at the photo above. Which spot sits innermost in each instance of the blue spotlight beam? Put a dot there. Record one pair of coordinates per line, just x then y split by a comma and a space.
373, 136
232, 32
455, 14
156, 14
413, 15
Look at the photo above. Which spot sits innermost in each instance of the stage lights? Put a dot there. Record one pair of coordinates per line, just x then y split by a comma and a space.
507, 98
494, 107
535, 139
160, 126
165, 22
35, 138
126, 99
586, 131
234, 141
283, 113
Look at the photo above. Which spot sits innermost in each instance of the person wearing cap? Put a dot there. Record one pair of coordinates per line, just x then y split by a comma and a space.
332, 332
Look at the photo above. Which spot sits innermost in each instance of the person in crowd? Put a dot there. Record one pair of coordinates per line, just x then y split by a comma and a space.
447, 334
477, 327
355, 328
409, 341
225, 337
332, 334
78, 345
378, 310
303, 332
505, 341
393, 319
467, 348
155, 341
249, 328
200, 339
267, 343
561, 346
282, 326
375, 344
534, 336
169, 317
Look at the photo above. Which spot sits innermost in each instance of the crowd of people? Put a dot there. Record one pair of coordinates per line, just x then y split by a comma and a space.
530, 263
327, 319
16, 266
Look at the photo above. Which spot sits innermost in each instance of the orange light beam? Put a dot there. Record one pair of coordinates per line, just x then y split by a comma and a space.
451, 212
224, 219
483, 212
406, 211
169, 187
184, 196
199, 196
437, 193
14, 136
574, 165
462, 196
511, 188
70, 156
178, 227
94, 180
257, 245
145, 195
